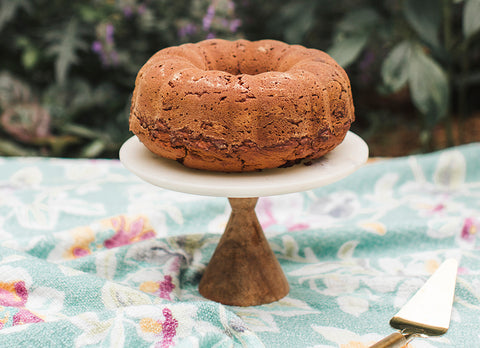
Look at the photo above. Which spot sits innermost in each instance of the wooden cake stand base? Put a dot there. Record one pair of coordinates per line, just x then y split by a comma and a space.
243, 270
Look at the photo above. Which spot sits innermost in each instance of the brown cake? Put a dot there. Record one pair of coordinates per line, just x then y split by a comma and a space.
241, 105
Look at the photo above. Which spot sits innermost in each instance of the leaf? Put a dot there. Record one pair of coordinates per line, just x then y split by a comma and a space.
9, 148
301, 18
346, 50
117, 334
406, 290
75, 206
13, 91
353, 305
93, 329
347, 249
385, 185
29, 58
289, 307
374, 226
341, 337
450, 171
37, 215
336, 285
258, 320
440, 229
352, 34
93, 149
314, 270
173, 212
425, 18
64, 44
8, 9
30, 54
106, 264
364, 19
46, 300
428, 86
395, 66
117, 296
27, 177
471, 18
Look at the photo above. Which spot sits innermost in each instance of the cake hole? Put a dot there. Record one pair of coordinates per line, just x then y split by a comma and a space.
238, 67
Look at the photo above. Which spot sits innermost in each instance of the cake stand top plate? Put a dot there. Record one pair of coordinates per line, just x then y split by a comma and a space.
337, 164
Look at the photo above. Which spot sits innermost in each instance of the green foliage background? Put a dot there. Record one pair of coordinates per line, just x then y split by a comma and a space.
67, 68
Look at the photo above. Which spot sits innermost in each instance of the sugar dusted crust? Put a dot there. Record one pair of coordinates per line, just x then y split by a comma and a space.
241, 105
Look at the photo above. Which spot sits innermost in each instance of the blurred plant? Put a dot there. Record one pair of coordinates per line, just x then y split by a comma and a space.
21, 115
398, 53
68, 70
427, 48
219, 20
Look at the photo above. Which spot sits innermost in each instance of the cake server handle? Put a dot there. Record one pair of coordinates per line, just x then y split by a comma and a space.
395, 340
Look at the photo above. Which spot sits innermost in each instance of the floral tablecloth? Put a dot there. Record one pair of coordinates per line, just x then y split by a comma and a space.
90, 255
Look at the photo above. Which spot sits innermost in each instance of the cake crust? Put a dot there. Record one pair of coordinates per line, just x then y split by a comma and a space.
241, 105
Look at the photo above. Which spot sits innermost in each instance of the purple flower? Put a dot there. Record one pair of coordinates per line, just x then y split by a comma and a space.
109, 30
127, 11
114, 57
97, 46
187, 29
141, 9
231, 6
365, 64
207, 20
211, 10
104, 47
234, 24
210, 35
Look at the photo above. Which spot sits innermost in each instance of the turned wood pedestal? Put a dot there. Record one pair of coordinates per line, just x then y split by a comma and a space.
243, 270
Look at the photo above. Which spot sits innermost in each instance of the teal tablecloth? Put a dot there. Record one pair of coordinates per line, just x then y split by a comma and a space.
92, 256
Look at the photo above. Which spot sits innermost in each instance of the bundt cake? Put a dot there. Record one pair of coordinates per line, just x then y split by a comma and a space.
241, 105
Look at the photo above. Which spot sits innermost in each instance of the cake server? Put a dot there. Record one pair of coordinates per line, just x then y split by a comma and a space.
428, 311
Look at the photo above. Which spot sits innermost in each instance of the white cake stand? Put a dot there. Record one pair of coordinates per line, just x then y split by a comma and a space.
243, 270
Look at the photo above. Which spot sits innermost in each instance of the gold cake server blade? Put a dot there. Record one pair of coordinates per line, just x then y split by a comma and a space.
428, 311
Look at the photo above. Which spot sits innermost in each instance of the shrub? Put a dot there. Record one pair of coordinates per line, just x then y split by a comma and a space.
68, 68
68, 72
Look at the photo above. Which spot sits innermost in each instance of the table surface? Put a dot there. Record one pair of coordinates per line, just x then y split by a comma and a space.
91, 255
